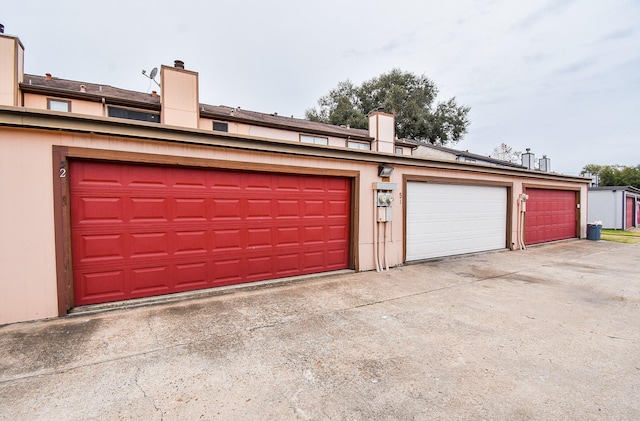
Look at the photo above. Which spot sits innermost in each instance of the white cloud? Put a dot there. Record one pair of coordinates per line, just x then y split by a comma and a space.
558, 76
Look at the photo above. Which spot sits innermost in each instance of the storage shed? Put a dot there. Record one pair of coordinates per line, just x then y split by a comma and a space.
618, 207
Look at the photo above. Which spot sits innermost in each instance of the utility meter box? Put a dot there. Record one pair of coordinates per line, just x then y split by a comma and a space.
383, 197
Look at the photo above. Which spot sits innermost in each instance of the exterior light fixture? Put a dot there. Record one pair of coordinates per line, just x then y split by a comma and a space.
385, 170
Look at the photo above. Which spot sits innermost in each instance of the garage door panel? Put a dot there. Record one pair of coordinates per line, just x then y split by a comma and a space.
629, 213
154, 279
190, 242
287, 209
190, 209
224, 209
102, 247
98, 209
313, 260
313, 209
448, 219
550, 215
288, 236
287, 263
97, 176
191, 275
137, 233
107, 285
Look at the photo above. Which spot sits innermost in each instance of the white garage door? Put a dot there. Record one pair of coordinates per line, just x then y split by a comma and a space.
451, 219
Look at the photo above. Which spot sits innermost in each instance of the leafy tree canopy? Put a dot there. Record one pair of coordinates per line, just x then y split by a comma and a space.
411, 98
614, 175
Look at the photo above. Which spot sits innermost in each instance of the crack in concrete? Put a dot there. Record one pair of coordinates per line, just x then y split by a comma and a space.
151, 329
144, 393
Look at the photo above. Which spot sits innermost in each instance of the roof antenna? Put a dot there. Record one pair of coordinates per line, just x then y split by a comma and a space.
151, 76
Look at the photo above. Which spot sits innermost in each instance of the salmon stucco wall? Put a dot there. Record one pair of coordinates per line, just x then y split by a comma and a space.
11, 63
27, 253
77, 106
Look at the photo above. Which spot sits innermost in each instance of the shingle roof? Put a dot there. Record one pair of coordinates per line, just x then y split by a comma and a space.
274, 120
95, 92
464, 154
33, 83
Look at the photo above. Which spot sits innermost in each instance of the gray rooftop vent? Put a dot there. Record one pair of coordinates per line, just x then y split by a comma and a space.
545, 164
528, 159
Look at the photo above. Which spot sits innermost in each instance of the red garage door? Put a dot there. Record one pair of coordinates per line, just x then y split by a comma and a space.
630, 208
141, 230
550, 216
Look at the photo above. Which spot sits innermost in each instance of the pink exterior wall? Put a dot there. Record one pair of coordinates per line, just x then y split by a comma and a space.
77, 106
268, 132
382, 129
11, 65
179, 97
27, 261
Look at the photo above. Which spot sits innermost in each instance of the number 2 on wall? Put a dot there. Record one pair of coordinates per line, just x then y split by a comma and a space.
63, 172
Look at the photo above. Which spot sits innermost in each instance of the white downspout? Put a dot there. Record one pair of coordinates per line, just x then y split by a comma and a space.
375, 235
522, 208
386, 263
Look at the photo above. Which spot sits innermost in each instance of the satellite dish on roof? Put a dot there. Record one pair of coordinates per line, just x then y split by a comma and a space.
151, 76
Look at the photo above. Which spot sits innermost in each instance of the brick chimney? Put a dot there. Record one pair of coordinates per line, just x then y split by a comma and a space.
382, 129
11, 70
179, 96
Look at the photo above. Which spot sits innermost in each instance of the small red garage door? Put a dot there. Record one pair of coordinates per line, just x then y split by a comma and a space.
630, 209
141, 230
550, 216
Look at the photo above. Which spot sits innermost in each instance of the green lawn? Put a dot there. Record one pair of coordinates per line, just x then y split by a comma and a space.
629, 237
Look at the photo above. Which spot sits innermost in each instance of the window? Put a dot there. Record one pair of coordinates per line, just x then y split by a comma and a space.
219, 126
134, 114
358, 145
58, 105
313, 139
399, 150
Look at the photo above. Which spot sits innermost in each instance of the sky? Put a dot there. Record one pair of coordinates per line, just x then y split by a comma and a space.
561, 77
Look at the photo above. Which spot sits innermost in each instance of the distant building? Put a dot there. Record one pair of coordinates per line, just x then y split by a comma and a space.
618, 207
426, 149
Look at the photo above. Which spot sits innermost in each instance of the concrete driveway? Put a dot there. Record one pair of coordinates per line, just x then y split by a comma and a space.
548, 333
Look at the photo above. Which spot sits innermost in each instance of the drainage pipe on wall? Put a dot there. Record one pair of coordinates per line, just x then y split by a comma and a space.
386, 263
522, 209
376, 241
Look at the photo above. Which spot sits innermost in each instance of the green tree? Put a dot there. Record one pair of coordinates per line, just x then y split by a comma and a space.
411, 98
614, 175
